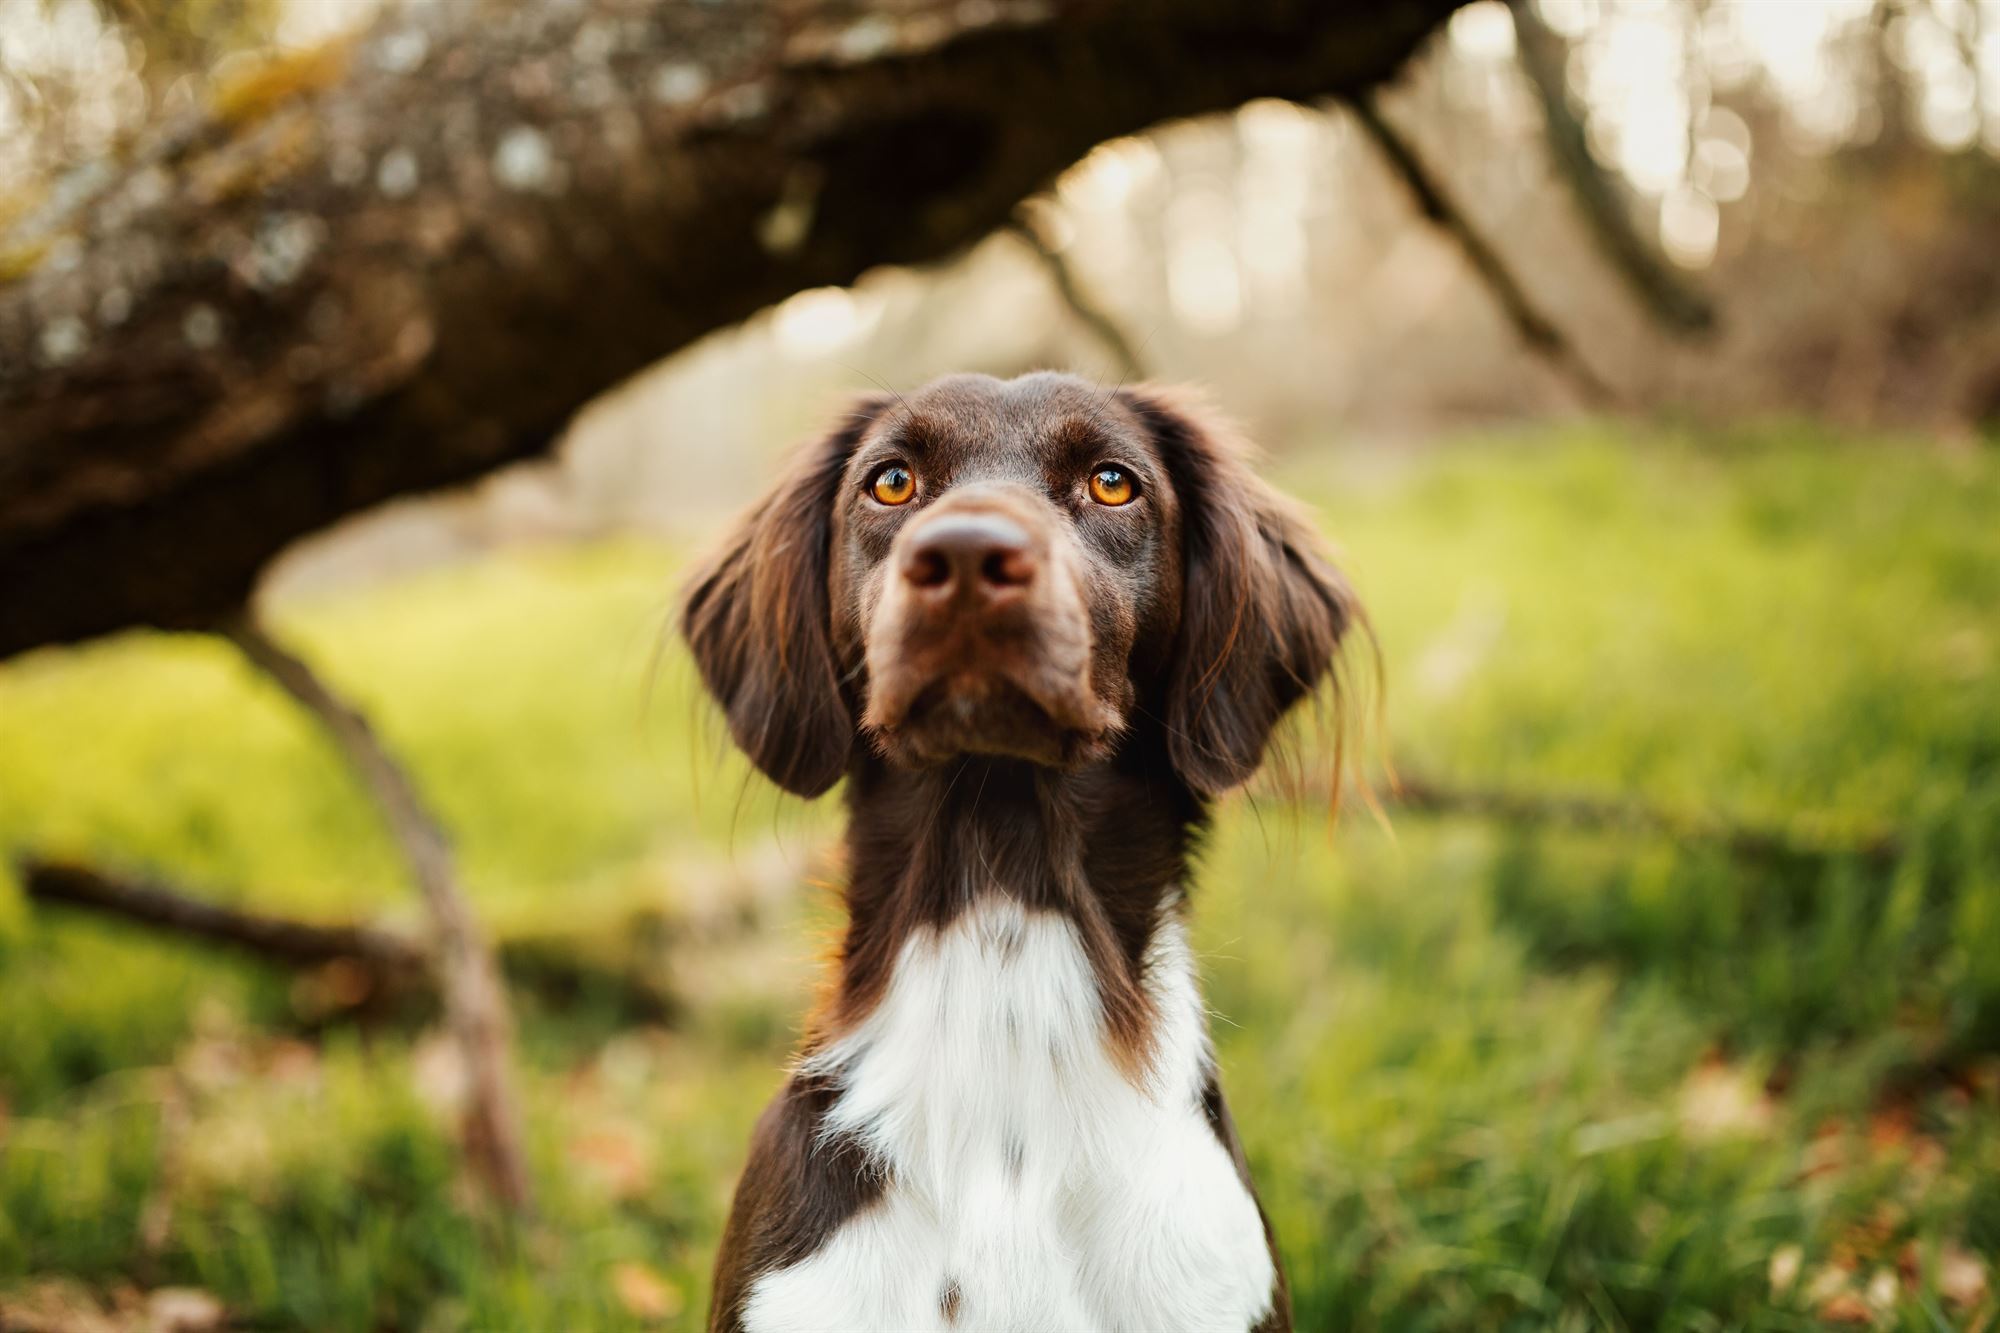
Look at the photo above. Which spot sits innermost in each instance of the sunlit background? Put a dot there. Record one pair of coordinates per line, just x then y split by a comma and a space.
1667, 995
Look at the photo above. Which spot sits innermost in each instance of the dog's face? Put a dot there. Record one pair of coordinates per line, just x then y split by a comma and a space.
1024, 568
1006, 565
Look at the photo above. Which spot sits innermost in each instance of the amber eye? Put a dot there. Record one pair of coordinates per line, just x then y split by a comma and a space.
1112, 486
894, 485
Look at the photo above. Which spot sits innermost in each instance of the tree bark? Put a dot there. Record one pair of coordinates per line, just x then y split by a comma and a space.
404, 260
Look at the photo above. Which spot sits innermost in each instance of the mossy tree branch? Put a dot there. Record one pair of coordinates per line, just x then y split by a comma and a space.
408, 259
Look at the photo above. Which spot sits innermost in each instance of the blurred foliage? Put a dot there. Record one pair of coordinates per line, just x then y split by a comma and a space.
1490, 1077
190, 36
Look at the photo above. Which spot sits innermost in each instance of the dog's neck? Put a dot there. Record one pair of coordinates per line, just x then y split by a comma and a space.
1106, 846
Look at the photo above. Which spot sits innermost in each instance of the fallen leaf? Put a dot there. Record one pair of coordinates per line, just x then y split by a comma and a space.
616, 1157
1784, 1269
54, 1306
1847, 1307
1961, 1276
1890, 1128
1910, 1263
1719, 1101
64, 1306
1828, 1283
645, 1292
183, 1310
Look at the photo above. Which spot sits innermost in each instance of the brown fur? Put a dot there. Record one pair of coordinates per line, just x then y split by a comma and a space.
1063, 745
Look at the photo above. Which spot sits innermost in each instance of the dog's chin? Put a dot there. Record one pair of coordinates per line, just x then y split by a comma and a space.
971, 714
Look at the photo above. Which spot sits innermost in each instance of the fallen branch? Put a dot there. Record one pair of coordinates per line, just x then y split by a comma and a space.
1537, 330
1741, 839
1102, 324
1672, 301
475, 1004
391, 966
151, 903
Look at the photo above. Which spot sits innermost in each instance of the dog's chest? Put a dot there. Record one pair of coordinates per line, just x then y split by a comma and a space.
1031, 1184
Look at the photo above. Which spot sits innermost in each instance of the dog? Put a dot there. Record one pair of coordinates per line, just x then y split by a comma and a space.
1038, 629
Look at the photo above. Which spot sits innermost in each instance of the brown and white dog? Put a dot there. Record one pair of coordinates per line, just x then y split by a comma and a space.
1037, 628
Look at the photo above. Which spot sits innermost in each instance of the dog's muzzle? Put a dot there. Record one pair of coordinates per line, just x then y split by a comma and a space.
981, 643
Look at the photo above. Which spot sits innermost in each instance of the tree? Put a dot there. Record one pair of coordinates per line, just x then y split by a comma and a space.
406, 259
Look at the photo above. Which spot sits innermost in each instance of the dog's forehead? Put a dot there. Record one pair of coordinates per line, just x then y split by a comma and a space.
980, 419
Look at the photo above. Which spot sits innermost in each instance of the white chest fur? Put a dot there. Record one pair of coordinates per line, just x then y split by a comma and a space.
1032, 1185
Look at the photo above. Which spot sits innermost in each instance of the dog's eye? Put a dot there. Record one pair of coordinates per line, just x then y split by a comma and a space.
893, 485
1113, 486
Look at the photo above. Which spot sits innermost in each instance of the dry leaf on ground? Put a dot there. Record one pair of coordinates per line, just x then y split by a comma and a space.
645, 1292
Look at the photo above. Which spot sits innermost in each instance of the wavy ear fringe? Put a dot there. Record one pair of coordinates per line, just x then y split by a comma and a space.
757, 619
1264, 611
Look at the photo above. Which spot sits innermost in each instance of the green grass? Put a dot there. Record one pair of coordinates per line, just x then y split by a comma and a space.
1491, 1077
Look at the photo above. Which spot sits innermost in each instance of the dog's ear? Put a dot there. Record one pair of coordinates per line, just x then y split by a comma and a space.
758, 618
1262, 611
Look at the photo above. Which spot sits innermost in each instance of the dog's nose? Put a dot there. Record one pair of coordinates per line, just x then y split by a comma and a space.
983, 557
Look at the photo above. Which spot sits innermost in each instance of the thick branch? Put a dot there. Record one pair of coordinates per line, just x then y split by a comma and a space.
1536, 329
1672, 301
475, 1004
407, 260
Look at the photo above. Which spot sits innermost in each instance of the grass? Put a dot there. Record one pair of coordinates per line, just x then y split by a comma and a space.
1490, 1077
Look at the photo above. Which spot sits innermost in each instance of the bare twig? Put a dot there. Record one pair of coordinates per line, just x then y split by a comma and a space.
1536, 329
1088, 312
1672, 301
475, 1004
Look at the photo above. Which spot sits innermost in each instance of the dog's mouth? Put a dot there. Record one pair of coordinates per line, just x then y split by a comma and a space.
975, 666
980, 711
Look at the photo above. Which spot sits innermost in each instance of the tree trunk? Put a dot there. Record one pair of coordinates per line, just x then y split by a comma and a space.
407, 259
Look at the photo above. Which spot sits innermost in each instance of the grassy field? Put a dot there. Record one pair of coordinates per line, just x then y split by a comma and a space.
1494, 1074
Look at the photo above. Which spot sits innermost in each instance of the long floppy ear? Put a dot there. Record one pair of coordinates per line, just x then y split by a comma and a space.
758, 619
1262, 613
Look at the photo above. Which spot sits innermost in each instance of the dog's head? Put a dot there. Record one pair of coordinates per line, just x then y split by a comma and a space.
1027, 568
